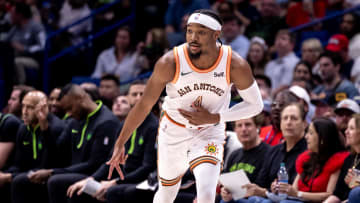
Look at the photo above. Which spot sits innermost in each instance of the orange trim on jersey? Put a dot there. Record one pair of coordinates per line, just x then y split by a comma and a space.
202, 70
203, 159
177, 72
174, 122
171, 182
228, 64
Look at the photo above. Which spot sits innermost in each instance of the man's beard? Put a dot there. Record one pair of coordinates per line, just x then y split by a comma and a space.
194, 56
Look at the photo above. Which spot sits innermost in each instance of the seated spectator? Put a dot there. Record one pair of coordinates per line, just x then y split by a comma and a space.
109, 89
340, 44
72, 11
177, 9
334, 88
35, 148
27, 38
15, 100
317, 168
232, 36
258, 55
349, 26
310, 52
305, 11
280, 70
343, 113
293, 127
343, 186
119, 60
121, 107
84, 144
303, 72
9, 125
141, 161
54, 106
268, 24
251, 156
272, 134
304, 99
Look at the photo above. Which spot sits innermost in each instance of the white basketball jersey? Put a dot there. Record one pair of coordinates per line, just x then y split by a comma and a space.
208, 88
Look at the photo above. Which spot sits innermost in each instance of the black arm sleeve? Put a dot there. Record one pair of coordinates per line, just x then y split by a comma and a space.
342, 189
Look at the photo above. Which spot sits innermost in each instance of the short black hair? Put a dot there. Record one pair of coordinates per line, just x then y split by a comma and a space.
111, 77
333, 56
65, 90
23, 9
210, 13
138, 82
265, 78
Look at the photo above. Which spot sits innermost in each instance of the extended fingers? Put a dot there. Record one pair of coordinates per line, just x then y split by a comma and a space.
111, 169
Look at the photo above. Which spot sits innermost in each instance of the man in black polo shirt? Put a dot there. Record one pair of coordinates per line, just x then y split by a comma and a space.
251, 156
35, 146
293, 125
9, 125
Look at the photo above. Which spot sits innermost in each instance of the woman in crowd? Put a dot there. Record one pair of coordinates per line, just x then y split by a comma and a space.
258, 55
346, 187
318, 168
119, 60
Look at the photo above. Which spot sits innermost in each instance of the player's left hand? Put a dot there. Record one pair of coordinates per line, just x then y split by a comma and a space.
200, 116
40, 176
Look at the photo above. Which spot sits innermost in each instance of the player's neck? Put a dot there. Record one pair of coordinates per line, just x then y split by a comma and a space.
207, 59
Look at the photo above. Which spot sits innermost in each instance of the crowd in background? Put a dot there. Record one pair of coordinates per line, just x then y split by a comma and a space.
51, 145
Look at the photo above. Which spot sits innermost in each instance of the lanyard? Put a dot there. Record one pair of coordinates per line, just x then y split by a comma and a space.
271, 134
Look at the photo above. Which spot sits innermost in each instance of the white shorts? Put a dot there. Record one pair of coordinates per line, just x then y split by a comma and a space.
180, 148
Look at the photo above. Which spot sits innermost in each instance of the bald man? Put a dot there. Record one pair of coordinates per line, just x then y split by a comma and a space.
35, 147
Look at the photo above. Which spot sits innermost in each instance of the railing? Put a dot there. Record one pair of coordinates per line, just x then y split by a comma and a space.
49, 59
329, 17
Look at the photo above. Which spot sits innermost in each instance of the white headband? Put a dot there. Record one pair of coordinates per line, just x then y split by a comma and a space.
204, 20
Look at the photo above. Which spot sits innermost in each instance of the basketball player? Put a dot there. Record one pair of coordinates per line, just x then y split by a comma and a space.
198, 76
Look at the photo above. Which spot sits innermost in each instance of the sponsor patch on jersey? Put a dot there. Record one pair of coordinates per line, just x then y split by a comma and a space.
211, 149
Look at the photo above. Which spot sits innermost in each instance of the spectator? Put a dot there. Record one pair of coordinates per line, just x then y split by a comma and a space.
15, 100
302, 71
9, 125
293, 127
333, 89
86, 141
304, 99
272, 134
245, 12
349, 26
109, 89
35, 148
310, 52
280, 70
27, 38
177, 9
268, 24
264, 84
343, 113
251, 156
72, 11
141, 161
54, 106
339, 44
258, 55
224, 8
343, 187
119, 60
232, 36
318, 167
305, 11
121, 107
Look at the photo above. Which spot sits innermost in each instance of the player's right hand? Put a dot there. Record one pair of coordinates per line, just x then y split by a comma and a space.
118, 157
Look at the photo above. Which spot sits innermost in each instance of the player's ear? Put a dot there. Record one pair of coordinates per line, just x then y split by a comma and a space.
217, 35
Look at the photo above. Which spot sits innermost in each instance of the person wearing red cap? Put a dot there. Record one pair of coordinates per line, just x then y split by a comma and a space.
339, 43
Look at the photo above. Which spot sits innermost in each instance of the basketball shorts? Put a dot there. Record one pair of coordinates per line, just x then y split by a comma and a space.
180, 148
